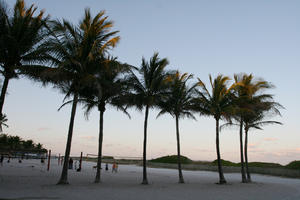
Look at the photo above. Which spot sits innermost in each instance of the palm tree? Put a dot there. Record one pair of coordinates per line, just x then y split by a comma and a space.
74, 50
178, 102
247, 91
256, 119
218, 104
251, 102
21, 36
3, 120
147, 90
109, 87
28, 145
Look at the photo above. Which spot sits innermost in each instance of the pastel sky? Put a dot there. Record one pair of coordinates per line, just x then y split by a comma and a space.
201, 37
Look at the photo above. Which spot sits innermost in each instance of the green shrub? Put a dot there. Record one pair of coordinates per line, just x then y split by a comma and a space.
108, 157
265, 165
172, 159
225, 163
293, 165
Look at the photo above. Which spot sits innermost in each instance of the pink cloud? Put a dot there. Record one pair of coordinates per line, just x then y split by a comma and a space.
253, 146
88, 137
270, 139
44, 129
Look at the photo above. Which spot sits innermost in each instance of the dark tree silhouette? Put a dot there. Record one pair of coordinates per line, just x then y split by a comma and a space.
179, 103
147, 89
218, 104
21, 35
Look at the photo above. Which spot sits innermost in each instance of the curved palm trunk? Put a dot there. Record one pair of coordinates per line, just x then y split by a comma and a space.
221, 175
145, 180
101, 109
178, 152
3, 93
242, 154
64, 175
246, 155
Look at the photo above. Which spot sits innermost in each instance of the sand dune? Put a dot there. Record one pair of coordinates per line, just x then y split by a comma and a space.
31, 180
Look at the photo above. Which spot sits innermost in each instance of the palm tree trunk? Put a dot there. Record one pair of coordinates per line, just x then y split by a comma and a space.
178, 152
3, 93
64, 175
221, 175
102, 109
246, 155
145, 180
242, 153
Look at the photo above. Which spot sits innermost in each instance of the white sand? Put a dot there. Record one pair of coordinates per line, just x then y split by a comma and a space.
22, 181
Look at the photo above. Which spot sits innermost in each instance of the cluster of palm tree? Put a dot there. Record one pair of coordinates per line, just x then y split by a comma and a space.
11, 144
77, 60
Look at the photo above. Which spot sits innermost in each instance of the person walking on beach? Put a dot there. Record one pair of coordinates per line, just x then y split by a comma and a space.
1, 159
71, 163
9, 156
115, 167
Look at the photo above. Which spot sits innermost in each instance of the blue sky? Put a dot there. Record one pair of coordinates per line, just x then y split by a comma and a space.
199, 37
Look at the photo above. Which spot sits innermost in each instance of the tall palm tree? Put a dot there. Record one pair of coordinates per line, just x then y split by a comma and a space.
179, 103
247, 91
109, 88
21, 35
74, 50
146, 91
256, 119
218, 104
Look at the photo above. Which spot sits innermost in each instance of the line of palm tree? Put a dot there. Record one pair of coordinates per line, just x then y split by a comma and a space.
80, 67
179, 103
78, 47
147, 88
74, 51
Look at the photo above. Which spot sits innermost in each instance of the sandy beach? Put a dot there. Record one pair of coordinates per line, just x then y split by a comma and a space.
31, 180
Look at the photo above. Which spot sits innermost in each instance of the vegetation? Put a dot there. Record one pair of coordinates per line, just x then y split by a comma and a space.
172, 159
185, 160
179, 103
218, 104
21, 36
147, 90
112, 87
13, 144
77, 60
294, 165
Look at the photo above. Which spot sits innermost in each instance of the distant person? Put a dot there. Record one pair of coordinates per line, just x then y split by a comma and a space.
1, 159
106, 167
9, 156
42, 160
70, 163
114, 167
62, 160
76, 164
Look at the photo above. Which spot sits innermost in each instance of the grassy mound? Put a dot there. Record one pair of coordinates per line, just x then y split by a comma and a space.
172, 159
264, 164
225, 163
293, 165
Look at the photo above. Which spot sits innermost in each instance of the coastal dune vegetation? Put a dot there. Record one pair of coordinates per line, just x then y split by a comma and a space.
77, 60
